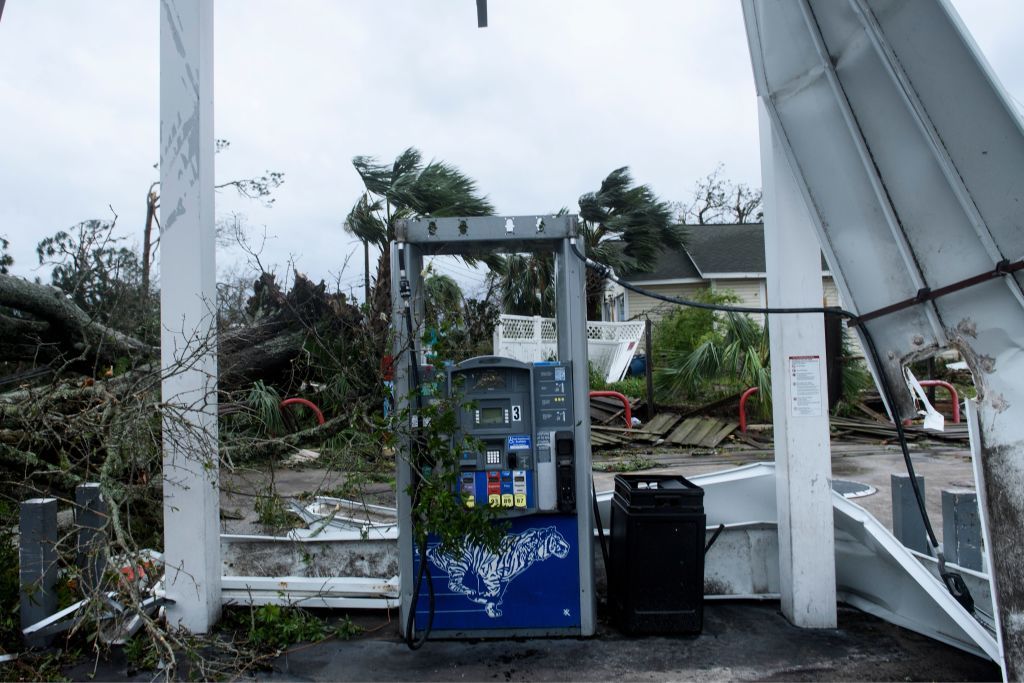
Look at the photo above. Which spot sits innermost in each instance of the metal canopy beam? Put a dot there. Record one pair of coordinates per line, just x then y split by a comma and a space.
188, 315
910, 158
482, 235
807, 570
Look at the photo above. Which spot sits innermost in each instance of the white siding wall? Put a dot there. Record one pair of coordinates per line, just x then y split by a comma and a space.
831, 291
749, 291
637, 305
832, 299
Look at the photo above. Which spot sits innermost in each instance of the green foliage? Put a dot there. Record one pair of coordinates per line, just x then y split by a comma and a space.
10, 588
6, 260
264, 405
271, 510
700, 354
273, 627
633, 387
459, 328
345, 629
632, 214
342, 356
524, 283
103, 278
141, 653
434, 457
625, 226
634, 463
682, 329
442, 298
408, 188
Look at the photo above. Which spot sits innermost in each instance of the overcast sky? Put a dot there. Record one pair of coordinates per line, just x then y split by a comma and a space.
538, 107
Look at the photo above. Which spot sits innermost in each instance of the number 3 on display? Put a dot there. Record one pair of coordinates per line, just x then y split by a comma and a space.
516, 414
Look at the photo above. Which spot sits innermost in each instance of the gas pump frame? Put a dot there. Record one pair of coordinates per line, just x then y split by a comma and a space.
476, 236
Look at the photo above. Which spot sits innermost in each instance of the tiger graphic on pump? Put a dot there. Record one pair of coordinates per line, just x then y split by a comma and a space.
482, 576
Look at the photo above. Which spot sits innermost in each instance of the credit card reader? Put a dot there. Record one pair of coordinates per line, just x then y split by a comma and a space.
517, 419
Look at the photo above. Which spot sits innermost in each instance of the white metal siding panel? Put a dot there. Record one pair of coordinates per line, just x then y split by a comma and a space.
637, 305
748, 291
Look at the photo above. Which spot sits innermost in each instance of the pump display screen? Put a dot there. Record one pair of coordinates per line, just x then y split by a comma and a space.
490, 379
492, 416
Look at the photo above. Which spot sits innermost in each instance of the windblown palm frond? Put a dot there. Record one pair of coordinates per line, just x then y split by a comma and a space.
364, 221
442, 297
626, 227
524, 283
409, 189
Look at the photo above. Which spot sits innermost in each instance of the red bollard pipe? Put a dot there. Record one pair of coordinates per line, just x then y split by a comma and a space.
303, 402
625, 404
952, 394
743, 407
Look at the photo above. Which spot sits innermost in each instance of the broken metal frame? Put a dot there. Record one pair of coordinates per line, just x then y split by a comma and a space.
858, 90
895, 99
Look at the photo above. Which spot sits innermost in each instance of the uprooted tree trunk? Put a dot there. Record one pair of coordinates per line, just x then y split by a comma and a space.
39, 325
45, 316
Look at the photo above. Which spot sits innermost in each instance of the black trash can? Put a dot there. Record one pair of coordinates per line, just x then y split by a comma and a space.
656, 568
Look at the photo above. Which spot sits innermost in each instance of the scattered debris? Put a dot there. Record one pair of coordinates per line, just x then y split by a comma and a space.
874, 431
303, 456
666, 429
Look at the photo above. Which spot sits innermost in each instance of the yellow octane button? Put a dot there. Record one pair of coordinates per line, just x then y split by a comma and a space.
520, 500
506, 500
494, 500
470, 501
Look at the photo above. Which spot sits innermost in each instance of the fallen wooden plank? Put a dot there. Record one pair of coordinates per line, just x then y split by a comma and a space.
661, 423
681, 433
706, 427
719, 435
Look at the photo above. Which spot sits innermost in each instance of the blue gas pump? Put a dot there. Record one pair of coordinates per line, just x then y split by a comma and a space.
530, 463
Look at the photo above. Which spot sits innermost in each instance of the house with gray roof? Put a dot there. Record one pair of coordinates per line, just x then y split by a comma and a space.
723, 257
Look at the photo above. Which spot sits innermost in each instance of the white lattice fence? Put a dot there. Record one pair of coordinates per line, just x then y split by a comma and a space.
610, 346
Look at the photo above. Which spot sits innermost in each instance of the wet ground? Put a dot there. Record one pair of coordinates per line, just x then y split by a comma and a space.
740, 640
748, 641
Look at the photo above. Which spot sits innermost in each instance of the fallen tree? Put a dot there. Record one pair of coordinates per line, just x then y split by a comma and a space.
39, 325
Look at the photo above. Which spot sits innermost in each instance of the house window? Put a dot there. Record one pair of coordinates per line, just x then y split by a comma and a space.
620, 307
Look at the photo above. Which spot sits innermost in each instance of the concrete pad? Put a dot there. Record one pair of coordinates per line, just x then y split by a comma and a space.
741, 641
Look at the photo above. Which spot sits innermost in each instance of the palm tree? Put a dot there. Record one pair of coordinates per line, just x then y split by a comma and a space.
624, 226
443, 299
704, 353
524, 283
407, 188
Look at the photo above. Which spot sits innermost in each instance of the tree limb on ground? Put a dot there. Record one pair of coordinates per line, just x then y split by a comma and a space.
50, 305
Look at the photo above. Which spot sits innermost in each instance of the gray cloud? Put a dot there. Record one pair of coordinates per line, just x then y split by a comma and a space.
538, 107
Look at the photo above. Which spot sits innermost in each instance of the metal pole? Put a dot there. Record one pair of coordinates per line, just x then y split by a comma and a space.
961, 528
188, 315
803, 467
366, 272
649, 367
571, 321
91, 522
37, 552
907, 525
403, 348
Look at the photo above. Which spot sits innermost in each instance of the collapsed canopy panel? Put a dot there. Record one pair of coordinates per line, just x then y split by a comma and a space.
910, 158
